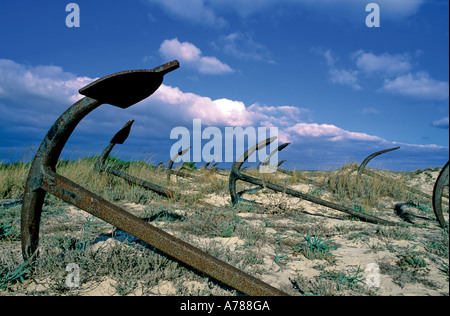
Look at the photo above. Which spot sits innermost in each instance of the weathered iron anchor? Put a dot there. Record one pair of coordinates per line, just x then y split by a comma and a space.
119, 138
438, 191
43, 178
236, 174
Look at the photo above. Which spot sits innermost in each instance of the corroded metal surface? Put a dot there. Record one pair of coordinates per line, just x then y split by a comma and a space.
174, 247
43, 178
236, 174
126, 88
441, 182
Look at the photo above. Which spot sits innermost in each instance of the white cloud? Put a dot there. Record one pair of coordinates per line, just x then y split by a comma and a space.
345, 77
393, 70
442, 123
242, 45
369, 111
342, 76
329, 57
384, 64
418, 85
193, 10
224, 112
328, 132
42, 82
400, 9
191, 56
188, 106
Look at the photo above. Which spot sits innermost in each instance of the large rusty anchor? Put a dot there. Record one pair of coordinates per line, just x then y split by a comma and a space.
236, 174
43, 178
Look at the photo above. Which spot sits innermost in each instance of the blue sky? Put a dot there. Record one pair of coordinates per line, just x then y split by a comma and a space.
336, 89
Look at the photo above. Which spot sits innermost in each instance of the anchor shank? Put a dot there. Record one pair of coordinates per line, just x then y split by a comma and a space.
153, 187
315, 200
76, 195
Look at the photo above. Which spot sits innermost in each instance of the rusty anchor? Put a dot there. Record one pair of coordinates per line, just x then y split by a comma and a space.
236, 174
43, 178
438, 193
119, 138
266, 168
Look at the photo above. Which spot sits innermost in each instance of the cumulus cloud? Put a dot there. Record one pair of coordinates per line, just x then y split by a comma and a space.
190, 106
342, 76
243, 46
385, 63
442, 123
419, 85
192, 56
394, 71
345, 77
225, 112
41, 82
329, 132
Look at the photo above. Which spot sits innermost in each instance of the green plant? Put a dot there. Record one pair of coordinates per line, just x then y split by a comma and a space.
412, 261
422, 208
226, 229
190, 165
342, 278
5, 230
314, 247
280, 259
445, 269
7, 277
